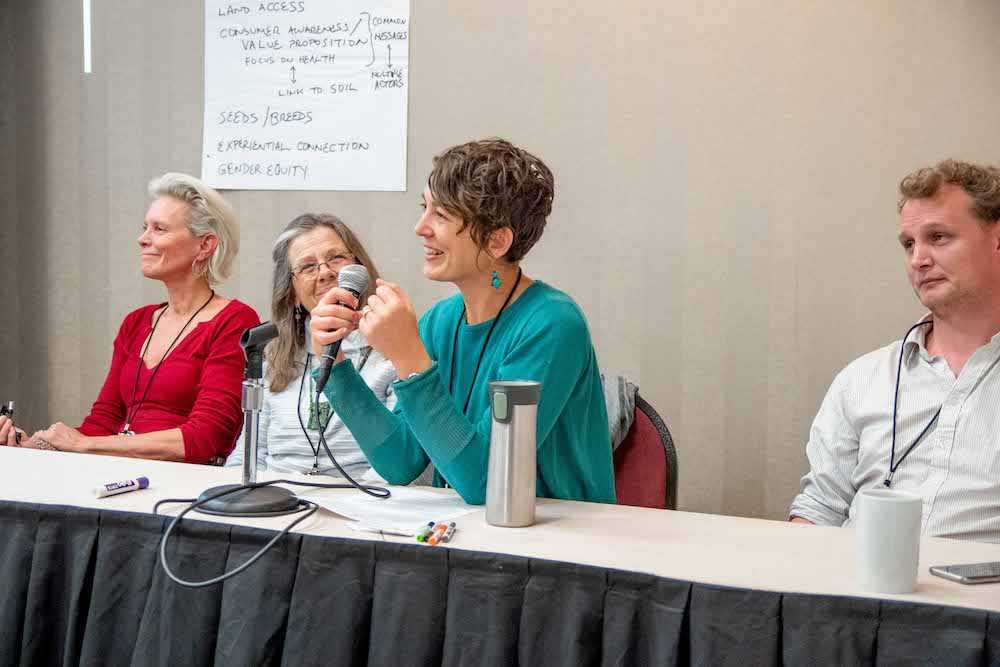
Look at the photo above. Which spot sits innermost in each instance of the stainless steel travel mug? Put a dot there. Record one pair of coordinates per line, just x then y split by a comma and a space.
510, 482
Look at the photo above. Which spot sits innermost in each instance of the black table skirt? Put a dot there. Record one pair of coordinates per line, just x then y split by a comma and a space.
83, 586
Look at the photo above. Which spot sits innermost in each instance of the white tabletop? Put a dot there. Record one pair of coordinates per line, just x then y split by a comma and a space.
729, 551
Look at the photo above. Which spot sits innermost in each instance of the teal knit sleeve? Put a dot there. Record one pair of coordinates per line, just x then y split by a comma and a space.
458, 449
383, 435
554, 350
550, 345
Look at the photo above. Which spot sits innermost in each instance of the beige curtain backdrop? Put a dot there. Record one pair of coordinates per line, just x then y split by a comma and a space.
726, 185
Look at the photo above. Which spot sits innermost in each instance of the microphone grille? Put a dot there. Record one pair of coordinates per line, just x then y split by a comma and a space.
353, 277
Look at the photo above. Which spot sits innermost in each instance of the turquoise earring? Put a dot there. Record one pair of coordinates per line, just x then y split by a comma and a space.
495, 281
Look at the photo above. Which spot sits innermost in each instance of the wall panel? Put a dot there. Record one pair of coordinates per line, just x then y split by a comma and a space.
725, 209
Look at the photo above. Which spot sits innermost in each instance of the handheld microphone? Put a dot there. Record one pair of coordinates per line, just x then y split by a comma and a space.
353, 278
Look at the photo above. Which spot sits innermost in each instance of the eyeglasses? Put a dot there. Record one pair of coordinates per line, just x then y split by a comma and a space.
335, 263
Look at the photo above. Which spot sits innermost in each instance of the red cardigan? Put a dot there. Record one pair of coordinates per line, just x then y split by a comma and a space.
197, 389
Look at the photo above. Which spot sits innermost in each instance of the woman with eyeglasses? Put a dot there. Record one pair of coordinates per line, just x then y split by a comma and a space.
308, 256
485, 206
173, 390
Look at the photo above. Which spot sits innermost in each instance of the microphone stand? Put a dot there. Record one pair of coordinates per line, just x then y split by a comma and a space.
251, 500
253, 402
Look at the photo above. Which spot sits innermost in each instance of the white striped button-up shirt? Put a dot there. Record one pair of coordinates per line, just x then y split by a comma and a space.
955, 468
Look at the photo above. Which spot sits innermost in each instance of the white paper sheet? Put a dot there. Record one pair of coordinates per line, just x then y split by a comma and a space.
306, 94
404, 513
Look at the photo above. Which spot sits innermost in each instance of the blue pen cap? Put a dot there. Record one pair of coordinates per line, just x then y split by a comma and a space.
143, 482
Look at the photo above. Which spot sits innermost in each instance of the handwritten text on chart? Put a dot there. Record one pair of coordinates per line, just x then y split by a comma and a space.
306, 94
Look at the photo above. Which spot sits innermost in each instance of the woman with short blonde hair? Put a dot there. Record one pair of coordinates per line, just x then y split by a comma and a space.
173, 389
207, 213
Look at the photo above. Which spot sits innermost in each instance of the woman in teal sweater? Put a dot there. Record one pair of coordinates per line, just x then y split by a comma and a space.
485, 206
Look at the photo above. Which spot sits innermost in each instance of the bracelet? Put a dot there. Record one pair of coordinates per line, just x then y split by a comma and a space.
417, 374
44, 444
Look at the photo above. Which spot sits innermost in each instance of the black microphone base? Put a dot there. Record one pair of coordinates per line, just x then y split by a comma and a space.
257, 501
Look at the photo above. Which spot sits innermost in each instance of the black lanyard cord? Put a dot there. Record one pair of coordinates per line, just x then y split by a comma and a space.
134, 407
893, 463
298, 406
376, 491
482, 351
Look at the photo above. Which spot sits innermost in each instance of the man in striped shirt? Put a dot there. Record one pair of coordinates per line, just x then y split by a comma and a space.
946, 419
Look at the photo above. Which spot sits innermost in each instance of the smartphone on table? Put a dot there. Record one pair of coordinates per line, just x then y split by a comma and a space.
970, 573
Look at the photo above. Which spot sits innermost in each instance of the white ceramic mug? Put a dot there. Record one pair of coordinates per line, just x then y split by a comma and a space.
888, 540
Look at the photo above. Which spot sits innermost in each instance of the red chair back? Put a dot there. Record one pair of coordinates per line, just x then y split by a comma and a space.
646, 462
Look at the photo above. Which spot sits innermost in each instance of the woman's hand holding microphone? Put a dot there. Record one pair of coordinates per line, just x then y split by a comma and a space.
333, 319
388, 321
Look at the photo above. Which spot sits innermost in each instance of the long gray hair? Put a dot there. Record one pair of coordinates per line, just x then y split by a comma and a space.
284, 353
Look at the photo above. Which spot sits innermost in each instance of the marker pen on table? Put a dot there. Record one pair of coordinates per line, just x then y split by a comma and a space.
425, 532
439, 531
114, 488
449, 533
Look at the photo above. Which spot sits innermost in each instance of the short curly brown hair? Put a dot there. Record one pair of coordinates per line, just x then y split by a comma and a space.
492, 184
981, 182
